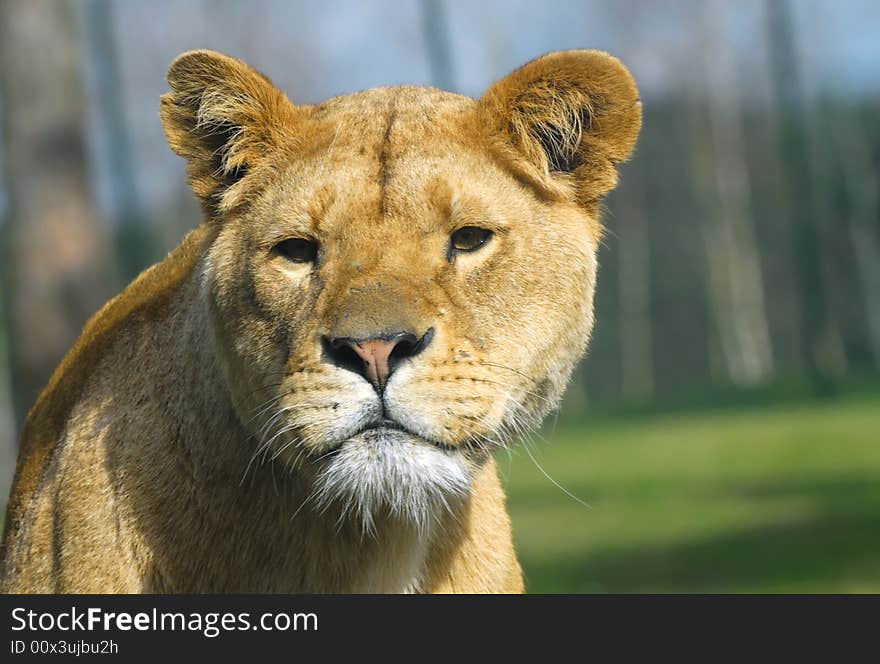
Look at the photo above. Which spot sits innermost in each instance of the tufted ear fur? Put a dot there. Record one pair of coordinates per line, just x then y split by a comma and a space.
565, 120
223, 117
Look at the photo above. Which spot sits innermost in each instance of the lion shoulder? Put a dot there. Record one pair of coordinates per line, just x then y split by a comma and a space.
45, 424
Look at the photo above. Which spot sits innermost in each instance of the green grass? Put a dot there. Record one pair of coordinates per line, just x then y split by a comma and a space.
777, 499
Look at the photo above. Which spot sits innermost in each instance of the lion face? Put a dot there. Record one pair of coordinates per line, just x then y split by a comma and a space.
401, 280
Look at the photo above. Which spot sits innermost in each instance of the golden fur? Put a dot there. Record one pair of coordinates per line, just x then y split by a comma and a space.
198, 437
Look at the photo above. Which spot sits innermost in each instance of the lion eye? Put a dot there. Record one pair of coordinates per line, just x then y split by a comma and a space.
298, 250
469, 238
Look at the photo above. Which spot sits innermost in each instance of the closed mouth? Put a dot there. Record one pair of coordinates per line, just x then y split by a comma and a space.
387, 424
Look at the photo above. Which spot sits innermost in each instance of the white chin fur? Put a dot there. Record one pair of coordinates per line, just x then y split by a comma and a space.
390, 470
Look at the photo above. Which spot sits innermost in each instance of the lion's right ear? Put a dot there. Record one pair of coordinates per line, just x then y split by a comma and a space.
223, 117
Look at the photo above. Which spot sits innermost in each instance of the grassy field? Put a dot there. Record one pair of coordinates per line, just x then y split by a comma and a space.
774, 499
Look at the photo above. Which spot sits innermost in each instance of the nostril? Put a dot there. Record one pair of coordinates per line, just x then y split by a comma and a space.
340, 353
403, 347
408, 345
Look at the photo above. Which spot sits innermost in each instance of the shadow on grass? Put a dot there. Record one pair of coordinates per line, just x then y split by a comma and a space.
837, 548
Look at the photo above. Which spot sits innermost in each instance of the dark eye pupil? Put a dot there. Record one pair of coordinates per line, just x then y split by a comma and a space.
470, 238
298, 250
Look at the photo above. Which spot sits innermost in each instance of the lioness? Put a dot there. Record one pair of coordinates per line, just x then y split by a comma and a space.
306, 394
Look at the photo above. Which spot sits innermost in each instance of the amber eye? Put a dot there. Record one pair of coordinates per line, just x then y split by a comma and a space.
469, 238
298, 250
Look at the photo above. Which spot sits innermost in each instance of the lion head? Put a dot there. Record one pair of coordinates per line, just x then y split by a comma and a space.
399, 281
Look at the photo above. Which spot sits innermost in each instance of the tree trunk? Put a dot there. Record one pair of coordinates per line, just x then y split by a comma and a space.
863, 191
8, 448
435, 30
136, 247
818, 336
634, 288
58, 262
733, 262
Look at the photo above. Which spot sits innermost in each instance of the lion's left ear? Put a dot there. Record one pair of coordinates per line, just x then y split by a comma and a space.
570, 116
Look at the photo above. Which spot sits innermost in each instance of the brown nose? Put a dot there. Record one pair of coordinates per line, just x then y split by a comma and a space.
376, 357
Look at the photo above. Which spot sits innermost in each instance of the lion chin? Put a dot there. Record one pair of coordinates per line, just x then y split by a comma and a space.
386, 470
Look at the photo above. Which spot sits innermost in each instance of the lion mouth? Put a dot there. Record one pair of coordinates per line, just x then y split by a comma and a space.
386, 423
392, 427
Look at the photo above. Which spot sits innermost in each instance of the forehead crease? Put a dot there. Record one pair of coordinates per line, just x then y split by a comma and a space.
347, 130
385, 154
416, 155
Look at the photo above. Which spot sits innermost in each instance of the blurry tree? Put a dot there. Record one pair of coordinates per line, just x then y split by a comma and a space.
771, 218
8, 445
58, 261
852, 149
846, 178
816, 326
634, 289
435, 29
819, 180
733, 263
135, 244
846, 339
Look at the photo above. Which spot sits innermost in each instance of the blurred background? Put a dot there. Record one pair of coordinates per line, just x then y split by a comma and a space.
724, 432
